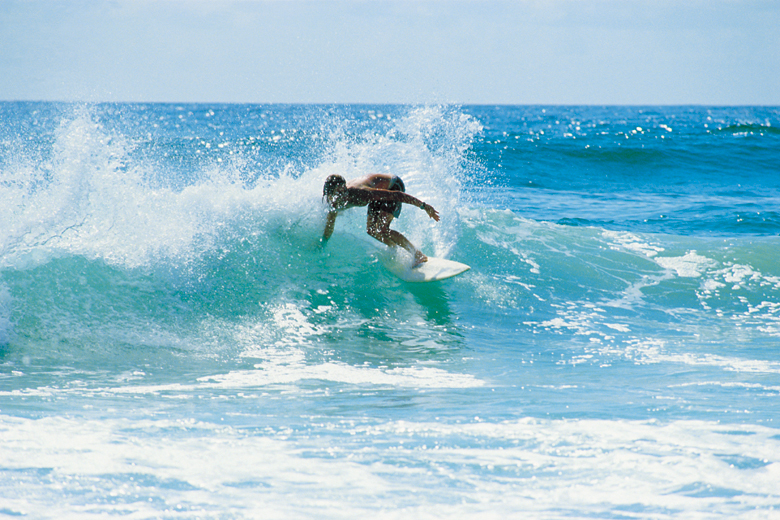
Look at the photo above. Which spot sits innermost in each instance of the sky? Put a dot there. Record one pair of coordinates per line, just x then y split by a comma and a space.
598, 52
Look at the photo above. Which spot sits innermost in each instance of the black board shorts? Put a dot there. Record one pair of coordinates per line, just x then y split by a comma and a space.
396, 184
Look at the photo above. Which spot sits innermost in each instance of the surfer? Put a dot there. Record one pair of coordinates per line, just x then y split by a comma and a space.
384, 195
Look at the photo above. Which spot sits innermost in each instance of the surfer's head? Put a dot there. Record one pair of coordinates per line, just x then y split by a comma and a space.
333, 184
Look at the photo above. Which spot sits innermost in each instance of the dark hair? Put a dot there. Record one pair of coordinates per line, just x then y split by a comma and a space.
331, 183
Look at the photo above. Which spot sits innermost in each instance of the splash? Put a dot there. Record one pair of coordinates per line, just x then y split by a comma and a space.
428, 148
88, 199
93, 196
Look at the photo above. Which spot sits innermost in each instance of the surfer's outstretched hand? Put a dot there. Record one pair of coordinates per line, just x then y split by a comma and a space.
430, 211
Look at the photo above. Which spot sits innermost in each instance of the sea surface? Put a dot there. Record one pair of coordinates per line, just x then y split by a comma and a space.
175, 343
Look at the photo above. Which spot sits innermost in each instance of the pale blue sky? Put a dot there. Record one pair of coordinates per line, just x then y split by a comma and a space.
724, 52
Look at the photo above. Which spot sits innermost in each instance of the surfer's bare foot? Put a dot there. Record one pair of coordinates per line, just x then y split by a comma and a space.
419, 258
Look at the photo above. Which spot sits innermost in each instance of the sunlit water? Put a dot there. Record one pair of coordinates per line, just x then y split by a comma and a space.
175, 344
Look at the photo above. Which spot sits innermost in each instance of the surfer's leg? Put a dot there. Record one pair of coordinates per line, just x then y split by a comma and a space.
378, 226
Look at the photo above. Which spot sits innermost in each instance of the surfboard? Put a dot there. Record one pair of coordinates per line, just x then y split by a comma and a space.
432, 270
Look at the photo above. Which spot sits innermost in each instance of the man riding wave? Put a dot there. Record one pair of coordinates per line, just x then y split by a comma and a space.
384, 195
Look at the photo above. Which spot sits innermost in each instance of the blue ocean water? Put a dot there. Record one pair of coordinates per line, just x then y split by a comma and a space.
175, 344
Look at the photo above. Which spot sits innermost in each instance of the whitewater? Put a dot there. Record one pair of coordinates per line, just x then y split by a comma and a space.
175, 342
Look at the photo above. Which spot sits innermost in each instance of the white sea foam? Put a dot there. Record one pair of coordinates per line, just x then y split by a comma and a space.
609, 339
729, 289
657, 351
411, 377
586, 321
98, 204
690, 265
268, 376
397, 469
632, 242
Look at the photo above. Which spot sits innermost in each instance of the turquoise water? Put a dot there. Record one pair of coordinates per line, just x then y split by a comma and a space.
175, 344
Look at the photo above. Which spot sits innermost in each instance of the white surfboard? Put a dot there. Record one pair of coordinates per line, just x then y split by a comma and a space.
430, 271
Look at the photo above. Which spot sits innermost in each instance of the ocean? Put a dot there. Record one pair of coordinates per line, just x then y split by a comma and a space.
175, 342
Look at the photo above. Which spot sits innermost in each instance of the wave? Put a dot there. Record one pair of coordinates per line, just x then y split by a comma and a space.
614, 296
93, 195
107, 233
112, 247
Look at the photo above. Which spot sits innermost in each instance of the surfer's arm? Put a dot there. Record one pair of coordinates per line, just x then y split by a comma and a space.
330, 223
430, 211
399, 196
